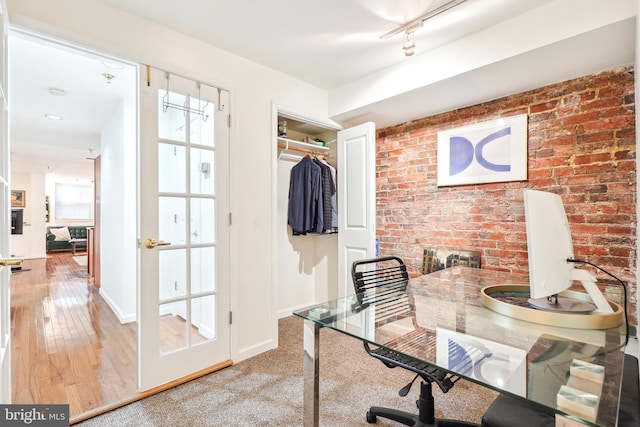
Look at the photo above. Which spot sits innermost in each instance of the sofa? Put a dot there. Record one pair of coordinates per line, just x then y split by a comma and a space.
58, 239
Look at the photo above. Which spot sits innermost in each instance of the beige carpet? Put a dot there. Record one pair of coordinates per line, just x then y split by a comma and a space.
266, 390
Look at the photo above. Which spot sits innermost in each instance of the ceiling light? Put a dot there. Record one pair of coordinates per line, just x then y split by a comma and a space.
53, 117
408, 46
108, 76
57, 92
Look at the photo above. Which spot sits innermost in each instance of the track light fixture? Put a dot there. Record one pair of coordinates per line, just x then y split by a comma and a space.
410, 27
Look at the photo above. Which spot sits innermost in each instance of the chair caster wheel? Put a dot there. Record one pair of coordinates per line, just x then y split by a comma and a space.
371, 418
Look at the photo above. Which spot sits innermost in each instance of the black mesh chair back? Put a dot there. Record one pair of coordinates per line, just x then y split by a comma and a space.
383, 281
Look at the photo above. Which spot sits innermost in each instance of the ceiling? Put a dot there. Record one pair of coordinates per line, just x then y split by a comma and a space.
327, 43
47, 78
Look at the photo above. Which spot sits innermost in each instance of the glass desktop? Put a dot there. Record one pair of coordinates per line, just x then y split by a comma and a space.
449, 328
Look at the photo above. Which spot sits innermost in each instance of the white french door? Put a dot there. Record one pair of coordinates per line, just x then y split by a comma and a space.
5, 224
183, 227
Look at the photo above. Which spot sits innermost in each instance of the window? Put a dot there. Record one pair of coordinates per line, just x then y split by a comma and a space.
73, 201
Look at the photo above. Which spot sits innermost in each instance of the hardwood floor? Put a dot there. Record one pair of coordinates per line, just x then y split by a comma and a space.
68, 346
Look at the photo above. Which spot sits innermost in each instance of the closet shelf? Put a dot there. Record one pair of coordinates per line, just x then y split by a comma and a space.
290, 144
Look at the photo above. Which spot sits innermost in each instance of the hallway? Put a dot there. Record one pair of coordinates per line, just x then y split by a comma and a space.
68, 346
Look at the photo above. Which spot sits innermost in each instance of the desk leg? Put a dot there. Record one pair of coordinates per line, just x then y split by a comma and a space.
311, 370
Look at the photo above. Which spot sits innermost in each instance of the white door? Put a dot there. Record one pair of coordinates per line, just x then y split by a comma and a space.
356, 200
183, 227
5, 225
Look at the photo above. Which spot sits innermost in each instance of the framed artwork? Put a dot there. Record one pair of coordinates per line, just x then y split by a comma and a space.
18, 199
491, 151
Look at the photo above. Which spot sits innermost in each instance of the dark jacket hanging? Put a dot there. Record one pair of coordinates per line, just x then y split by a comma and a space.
328, 190
305, 214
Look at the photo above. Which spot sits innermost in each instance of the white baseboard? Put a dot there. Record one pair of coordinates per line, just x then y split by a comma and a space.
254, 350
206, 332
123, 318
286, 312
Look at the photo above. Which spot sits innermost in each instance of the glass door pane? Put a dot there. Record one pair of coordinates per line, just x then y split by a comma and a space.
172, 178
186, 207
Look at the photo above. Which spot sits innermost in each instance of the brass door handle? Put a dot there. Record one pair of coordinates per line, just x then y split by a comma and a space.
152, 243
10, 261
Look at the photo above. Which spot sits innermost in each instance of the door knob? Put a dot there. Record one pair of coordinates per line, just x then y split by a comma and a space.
152, 243
10, 261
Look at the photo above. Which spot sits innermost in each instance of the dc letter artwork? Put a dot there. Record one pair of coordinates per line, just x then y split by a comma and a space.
492, 151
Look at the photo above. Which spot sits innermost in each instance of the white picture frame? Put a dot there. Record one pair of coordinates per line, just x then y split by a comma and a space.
481, 153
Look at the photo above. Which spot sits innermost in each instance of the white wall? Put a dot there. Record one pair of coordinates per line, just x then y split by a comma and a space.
118, 213
296, 259
30, 244
253, 90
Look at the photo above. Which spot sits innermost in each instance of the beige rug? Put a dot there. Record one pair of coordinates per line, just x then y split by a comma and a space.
266, 390
81, 260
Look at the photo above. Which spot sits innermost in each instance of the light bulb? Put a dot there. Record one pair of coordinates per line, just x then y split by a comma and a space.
408, 46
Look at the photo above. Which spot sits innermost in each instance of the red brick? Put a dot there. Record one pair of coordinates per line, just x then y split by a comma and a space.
545, 106
592, 158
580, 118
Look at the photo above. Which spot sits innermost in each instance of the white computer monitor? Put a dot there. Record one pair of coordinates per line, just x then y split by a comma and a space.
549, 246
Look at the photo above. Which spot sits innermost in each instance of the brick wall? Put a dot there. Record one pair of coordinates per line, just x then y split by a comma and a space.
581, 146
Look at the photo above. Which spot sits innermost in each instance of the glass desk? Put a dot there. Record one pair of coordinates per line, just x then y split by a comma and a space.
448, 327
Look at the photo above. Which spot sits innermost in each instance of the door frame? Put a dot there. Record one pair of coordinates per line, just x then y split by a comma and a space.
5, 380
57, 43
280, 110
5, 220
340, 277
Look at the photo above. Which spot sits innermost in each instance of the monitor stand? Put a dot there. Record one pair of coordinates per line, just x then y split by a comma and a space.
560, 304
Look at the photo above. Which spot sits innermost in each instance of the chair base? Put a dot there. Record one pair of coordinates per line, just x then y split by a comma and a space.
409, 419
425, 416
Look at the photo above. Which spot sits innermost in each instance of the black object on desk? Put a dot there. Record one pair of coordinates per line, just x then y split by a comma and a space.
507, 411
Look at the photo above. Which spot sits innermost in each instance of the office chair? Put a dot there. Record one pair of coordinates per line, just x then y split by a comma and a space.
383, 282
